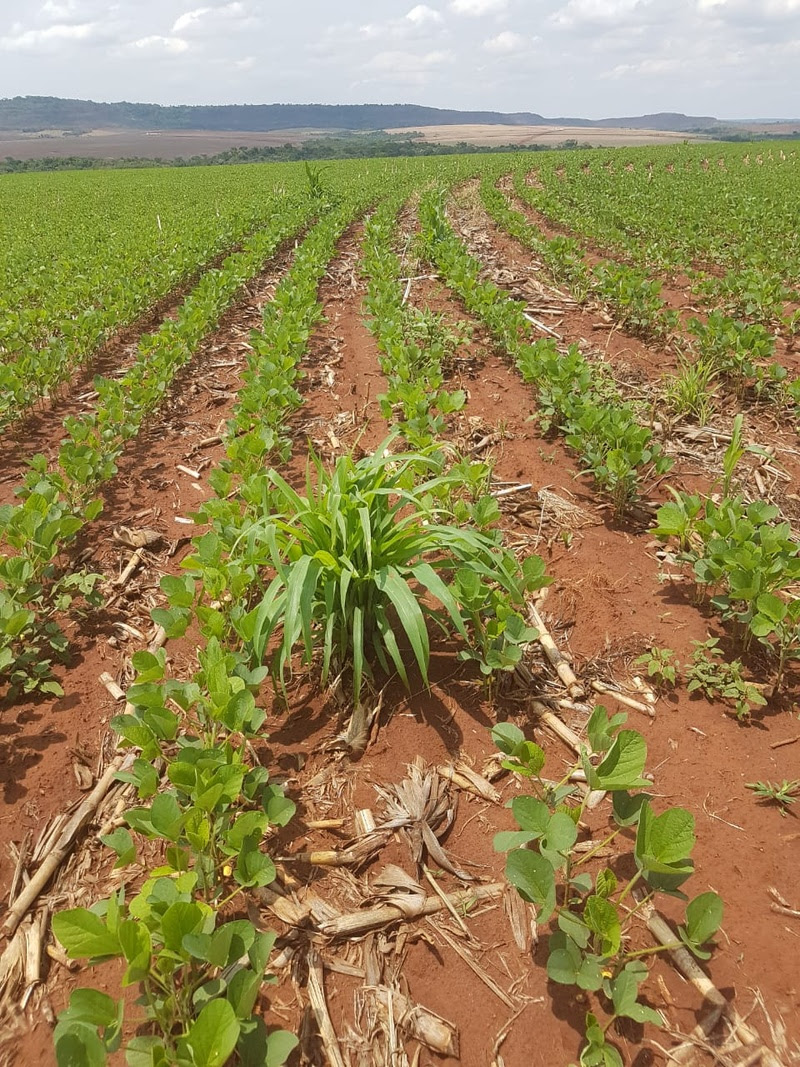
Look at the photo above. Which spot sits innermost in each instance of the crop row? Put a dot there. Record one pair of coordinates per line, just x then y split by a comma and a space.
56, 502
66, 289
744, 560
719, 350
730, 229
204, 799
574, 395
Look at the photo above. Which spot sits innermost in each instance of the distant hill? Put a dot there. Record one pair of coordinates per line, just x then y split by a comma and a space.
37, 113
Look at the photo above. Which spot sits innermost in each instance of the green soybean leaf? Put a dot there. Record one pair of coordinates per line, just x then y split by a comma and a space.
212, 1037
533, 876
243, 991
505, 840
137, 948
531, 814
626, 807
622, 767
624, 991
590, 974
166, 816
664, 842
564, 960
582, 882
507, 737
574, 926
703, 919
605, 883
121, 842
561, 833
601, 728
93, 1007
602, 919
260, 950
145, 1052
79, 1045
180, 919
280, 1045
83, 934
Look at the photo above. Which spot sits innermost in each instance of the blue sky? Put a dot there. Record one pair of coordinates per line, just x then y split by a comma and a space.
590, 58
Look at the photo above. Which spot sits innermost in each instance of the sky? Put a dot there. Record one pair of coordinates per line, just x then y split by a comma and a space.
581, 58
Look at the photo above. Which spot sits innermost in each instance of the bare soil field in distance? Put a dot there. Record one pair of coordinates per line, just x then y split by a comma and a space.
610, 136
173, 144
156, 144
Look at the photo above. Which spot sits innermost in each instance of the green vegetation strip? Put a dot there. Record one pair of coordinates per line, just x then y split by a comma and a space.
575, 395
57, 501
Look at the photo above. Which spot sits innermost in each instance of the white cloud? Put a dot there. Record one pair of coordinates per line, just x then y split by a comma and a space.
580, 12
34, 40
475, 8
422, 15
64, 11
506, 43
753, 10
419, 24
210, 16
408, 62
647, 67
246, 63
156, 43
188, 18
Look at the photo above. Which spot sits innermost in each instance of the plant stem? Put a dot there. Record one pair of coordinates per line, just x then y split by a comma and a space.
598, 847
652, 950
629, 886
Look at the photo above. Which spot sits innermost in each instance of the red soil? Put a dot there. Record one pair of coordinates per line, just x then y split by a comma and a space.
606, 605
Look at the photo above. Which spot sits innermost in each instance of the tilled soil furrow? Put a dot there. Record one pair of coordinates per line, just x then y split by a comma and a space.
677, 290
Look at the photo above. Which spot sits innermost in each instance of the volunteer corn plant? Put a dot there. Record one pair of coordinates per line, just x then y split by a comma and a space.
593, 915
363, 563
693, 390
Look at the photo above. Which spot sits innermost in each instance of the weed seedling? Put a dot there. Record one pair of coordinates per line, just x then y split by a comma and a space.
783, 794
661, 665
717, 679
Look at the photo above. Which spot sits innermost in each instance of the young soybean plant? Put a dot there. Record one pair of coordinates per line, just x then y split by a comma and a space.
590, 946
199, 977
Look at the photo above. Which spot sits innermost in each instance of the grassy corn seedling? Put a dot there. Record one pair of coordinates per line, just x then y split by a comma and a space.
357, 561
692, 391
593, 916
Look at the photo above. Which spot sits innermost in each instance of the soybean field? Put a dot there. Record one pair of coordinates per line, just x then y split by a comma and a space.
400, 612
